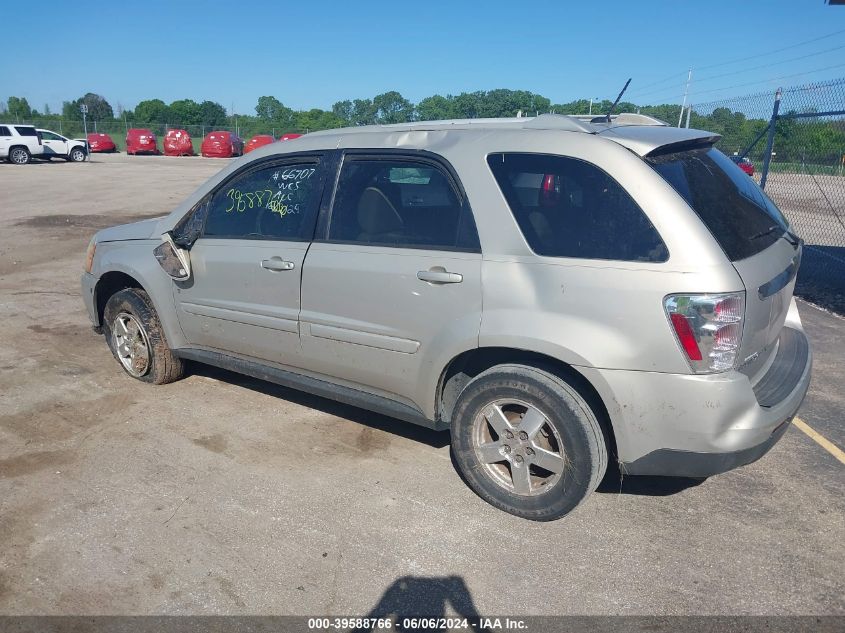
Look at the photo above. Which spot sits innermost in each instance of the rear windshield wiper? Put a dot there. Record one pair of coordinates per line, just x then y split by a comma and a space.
789, 236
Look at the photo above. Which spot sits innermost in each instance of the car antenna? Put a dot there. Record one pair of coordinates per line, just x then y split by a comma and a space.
624, 88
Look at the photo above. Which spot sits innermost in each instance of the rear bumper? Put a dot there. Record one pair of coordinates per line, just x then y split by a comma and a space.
702, 425
678, 463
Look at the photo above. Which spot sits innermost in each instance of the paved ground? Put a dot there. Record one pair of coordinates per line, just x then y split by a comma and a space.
220, 494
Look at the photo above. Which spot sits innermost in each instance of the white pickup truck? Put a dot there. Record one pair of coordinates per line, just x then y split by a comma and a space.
19, 143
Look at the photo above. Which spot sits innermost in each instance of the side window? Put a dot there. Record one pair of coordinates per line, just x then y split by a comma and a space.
26, 130
277, 202
4, 131
400, 202
49, 136
566, 207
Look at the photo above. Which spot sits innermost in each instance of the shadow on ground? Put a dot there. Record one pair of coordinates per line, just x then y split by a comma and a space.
422, 597
435, 439
613, 482
821, 277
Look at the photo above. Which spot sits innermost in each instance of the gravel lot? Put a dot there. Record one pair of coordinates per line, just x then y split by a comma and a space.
223, 495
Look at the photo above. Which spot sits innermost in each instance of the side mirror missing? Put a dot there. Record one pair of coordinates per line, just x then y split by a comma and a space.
175, 261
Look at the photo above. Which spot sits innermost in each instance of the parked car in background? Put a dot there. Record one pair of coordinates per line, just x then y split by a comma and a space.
99, 142
289, 137
222, 144
178, 143
141, 141
257, 141
19, 143
744, 164
560, 294
58, 146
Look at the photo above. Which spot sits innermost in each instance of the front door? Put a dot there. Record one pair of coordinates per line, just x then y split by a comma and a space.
54, 145
243, 296
396, 281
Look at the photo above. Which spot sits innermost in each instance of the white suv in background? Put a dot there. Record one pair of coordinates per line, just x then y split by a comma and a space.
57, 146
19, 143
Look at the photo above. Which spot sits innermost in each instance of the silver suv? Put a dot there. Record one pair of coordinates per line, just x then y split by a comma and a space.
552, 290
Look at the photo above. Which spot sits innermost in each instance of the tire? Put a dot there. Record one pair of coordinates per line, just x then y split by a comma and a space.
77, 155
19, 155
151, 359
561, 456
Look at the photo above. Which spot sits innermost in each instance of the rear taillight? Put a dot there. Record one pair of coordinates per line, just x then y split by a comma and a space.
708, 328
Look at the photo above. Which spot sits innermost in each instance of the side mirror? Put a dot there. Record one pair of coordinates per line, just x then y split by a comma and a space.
175, 261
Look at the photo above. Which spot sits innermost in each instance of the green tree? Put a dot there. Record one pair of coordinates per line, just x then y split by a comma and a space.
271, 110
151, 111
18, 107
435, 108
213, 114
185, 112
316, 119
392, 107
98, 108
467, 105
363, 112
343, 110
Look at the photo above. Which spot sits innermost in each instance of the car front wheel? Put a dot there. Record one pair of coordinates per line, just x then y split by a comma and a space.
527, 442
134, 335
77, 155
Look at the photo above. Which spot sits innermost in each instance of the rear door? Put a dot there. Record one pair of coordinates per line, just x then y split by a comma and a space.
244, 294
750, 229
395, 279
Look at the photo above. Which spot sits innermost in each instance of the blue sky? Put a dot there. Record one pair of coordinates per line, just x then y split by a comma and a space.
311, 53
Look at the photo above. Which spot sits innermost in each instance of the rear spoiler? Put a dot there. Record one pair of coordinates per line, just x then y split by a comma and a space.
652, 140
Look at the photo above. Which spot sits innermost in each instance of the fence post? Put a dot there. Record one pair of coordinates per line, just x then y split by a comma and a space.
767, 157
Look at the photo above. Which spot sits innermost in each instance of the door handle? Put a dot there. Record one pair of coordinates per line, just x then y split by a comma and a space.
277, 264
440, 277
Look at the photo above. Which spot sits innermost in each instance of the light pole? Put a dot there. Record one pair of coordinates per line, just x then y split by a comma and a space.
591, 104
84, 109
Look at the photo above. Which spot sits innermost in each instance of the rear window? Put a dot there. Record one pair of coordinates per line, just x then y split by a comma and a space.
739, 215
26, 131
566, 207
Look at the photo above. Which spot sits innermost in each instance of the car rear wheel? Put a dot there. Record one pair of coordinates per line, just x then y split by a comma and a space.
134, 335
20, 156
527, 442
77, 155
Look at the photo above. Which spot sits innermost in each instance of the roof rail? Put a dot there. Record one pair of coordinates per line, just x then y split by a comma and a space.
557, 122
623, 118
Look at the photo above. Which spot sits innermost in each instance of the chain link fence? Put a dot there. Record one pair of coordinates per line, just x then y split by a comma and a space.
117, 130
796, 140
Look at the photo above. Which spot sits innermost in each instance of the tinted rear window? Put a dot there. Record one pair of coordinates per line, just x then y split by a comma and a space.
739, 215
566, 207
26, 131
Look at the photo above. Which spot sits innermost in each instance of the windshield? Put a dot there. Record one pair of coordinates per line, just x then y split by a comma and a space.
739, 215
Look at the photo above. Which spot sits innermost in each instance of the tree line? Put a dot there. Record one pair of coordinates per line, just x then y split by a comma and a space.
797, 138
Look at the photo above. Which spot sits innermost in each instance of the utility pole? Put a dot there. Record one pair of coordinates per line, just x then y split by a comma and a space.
686, 91
689, 112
